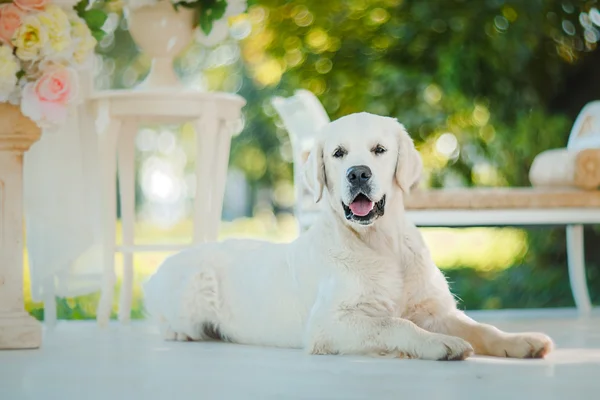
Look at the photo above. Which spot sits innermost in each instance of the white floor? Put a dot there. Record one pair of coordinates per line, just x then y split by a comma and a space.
79, 361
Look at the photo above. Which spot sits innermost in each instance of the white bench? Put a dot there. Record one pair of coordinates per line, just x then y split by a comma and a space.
303, 112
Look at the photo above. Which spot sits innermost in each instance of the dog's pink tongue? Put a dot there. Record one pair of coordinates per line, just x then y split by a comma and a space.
361, 207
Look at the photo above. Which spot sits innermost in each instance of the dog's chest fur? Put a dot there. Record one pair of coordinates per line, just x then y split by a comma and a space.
374, 279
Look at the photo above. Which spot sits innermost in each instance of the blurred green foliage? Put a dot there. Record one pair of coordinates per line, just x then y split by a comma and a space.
485, 71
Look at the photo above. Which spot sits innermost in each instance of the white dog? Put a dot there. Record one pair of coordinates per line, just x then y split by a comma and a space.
360, 281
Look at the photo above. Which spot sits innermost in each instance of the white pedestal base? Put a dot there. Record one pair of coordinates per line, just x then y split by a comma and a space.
17, 133
19, 331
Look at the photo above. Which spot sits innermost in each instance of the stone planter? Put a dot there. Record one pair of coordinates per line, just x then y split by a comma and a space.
161, 32
18, 330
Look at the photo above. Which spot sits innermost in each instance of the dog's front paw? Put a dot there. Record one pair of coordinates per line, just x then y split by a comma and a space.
523, 345
445, 348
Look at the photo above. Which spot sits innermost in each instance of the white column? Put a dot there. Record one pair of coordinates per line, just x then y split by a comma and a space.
18, 330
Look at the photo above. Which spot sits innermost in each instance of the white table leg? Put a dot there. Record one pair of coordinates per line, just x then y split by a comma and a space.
207, 130
108, 159
126, 172
220, 167
576, 262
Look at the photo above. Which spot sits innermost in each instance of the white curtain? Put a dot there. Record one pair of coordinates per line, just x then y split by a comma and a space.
63, 210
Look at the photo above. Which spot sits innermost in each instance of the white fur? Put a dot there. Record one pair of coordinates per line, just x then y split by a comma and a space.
341, 287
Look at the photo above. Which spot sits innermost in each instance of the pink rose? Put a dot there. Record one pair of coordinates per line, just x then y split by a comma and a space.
46, 101
11, 17
30, 5
56, 85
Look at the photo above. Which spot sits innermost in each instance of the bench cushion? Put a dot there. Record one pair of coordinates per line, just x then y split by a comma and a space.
501, 198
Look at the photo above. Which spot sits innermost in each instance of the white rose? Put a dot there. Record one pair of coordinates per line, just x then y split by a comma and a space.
9, 67
30, 38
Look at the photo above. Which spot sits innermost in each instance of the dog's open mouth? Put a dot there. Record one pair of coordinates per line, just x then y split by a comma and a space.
364, 210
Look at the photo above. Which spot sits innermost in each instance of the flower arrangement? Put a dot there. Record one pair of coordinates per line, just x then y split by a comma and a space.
42, 46
211, 15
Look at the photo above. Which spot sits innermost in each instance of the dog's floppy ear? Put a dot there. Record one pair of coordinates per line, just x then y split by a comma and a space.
314, 171
409, 165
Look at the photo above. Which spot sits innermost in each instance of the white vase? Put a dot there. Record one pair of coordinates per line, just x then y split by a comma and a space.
161, 32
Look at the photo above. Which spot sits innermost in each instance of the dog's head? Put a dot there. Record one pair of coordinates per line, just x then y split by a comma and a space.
359, 162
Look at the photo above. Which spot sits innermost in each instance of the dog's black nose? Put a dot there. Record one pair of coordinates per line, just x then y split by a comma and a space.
359, 174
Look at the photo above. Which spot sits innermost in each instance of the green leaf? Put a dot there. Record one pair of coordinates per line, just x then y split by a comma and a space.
95, 19
81, 6
209, 13
98, 34
218, 9
206, 22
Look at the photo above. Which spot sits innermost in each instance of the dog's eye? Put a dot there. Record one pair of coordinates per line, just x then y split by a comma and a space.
339, 153
379, 149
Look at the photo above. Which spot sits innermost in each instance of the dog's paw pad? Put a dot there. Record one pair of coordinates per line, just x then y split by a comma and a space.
454, 355
457, 354
446, 348
527, 345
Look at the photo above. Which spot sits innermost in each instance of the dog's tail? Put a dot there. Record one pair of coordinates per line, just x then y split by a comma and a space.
155, 290
162, 290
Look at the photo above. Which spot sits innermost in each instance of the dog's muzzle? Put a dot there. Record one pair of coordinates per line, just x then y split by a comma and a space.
362, 208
